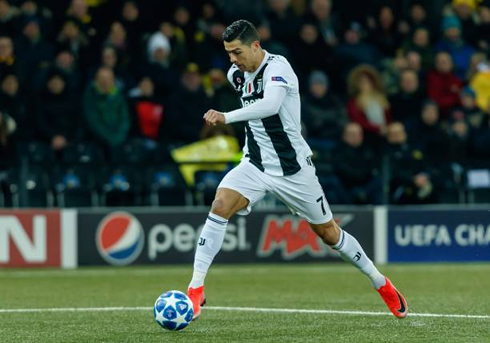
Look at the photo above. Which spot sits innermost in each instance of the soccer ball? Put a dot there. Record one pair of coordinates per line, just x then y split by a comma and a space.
173, 310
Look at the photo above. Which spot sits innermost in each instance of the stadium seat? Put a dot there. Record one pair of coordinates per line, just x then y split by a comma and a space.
122, 186
30, 187
206, 183
83, 153
166, 187
75, 186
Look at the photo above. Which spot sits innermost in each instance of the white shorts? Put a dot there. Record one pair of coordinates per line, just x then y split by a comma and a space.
301, 192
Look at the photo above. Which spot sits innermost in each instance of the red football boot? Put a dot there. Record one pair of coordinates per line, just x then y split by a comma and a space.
198, 299
394, 300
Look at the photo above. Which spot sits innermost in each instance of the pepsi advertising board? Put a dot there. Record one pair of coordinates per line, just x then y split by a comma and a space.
148, 236
438, 235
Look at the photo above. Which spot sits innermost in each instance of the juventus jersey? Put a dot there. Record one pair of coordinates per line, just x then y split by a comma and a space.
273, 144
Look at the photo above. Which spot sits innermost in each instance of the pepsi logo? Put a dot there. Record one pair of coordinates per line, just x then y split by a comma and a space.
120, 238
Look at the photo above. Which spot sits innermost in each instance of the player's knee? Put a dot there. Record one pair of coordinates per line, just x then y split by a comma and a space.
221, 208
328, 232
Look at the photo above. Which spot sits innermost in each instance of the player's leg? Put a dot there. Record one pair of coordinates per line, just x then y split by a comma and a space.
226, 203
303, 193
351, 251
237, 192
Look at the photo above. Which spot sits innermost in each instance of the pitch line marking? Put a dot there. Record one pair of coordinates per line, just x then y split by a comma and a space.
244, 309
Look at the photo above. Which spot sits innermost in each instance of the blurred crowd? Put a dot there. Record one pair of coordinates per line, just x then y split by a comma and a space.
395, 94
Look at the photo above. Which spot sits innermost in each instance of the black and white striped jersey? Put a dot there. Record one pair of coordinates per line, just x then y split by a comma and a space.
274, 143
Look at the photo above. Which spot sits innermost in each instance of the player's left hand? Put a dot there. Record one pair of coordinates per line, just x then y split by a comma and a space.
214, 118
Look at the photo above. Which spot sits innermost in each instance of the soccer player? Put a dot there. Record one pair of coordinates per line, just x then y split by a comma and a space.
276, 159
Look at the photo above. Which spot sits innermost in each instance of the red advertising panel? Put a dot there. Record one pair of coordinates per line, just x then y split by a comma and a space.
30, 238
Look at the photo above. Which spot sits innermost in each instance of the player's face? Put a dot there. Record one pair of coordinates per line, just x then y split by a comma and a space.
242, 55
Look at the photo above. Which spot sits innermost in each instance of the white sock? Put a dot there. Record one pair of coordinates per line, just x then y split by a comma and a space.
351, 251
208, 246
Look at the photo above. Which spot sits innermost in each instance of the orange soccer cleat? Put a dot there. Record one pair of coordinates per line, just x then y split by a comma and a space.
394, 300
198, 299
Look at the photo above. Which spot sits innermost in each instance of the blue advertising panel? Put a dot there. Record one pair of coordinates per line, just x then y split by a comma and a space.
438, 235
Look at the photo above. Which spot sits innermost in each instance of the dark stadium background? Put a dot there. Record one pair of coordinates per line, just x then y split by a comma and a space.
101, 132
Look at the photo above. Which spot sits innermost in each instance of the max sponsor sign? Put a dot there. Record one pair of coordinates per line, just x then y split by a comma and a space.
438, 235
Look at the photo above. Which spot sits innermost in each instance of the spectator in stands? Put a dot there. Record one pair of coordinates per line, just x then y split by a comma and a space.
410, 181
8, 16
8, 61
133, 25
284, 23
481, 140
443, 86
64, 63
8, 156
368, 105
417, 19
78, 12
480, 83
33, 52
468, 111
57, 113
118, 40
147, 111
224, 96
323, 113
272, 46
420, 42
30, 9
407, 103
426, 133
385, 34
110, 59
179, 47
182, 21
13, 103
354, 51
159, 67
453, 43
357, 167
105, 110
465, 10
72, 39
459, 141
327, 23
188, 104
311, 53
483, 28
208, 39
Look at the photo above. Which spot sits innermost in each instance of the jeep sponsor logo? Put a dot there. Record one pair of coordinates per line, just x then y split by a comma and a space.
249, 102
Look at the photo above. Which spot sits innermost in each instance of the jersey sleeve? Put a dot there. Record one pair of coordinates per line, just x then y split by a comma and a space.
279, 75
267, 106
236, 78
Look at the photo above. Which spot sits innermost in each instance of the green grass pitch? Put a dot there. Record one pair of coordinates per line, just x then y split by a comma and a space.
440, 289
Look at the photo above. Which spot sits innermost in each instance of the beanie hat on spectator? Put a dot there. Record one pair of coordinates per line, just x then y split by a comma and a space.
451, 22
468, 91
318, 76
157, 41
470, 3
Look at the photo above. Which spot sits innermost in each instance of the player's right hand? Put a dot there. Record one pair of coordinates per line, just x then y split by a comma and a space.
214, 118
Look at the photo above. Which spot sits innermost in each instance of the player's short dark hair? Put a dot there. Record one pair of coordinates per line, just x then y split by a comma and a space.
242, 30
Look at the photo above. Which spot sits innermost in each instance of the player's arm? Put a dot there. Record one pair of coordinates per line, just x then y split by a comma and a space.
275, 90
267, 106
